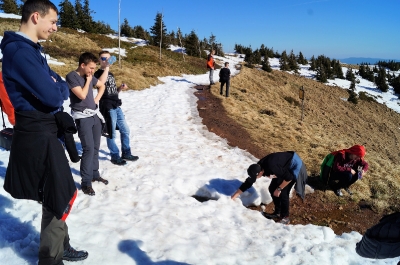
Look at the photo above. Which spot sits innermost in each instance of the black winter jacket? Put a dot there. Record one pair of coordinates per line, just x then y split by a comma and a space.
38, 168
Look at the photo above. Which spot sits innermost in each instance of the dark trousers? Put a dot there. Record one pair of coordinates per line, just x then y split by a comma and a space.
340, 180
89, 132
228, 82
54, 239
281, 203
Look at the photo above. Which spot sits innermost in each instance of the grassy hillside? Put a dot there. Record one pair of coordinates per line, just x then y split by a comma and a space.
268, 107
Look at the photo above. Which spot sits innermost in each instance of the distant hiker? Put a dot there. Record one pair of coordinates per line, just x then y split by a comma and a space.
285, 169
84, 110
348, 166
211, 65
38, 168
112, 112
224, 78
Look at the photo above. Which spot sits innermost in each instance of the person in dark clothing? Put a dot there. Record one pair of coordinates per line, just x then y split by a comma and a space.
225, 78
112, 112
348, 167
286, 169
84, 109
211, 66
38, 168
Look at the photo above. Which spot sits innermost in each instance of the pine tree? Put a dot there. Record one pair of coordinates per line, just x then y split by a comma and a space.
301, 59
284, 62
266, 66
126, 29
87, 22
79, 14
192, 44
380, 80
352, 94
158, 31
67, 15
292, 62
396, 84
9, 6
350, 75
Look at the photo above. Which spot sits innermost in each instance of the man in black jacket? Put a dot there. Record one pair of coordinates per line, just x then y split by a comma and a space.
225, 78
286, 169
38, 168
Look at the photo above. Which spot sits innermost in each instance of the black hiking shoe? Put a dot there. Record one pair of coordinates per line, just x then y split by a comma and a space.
130, 157
118, 162
71, 254
348, 191
270, 215
100, 179
339, 193
88, 190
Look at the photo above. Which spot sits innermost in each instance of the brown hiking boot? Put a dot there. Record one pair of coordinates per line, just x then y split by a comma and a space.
88, 190
100, 179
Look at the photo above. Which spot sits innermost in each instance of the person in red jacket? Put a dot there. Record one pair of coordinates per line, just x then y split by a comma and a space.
6, 104
210, 66
348, 167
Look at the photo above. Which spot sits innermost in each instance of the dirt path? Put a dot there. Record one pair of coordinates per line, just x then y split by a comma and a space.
319, 208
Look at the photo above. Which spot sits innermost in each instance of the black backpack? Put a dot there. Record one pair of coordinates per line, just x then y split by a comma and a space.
381, 241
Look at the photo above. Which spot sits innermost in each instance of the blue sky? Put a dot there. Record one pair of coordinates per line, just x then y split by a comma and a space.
335, 28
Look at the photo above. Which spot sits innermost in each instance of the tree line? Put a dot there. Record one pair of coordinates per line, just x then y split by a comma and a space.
158, 34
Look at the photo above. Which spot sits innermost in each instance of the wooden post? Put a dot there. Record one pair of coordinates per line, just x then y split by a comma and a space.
302, 96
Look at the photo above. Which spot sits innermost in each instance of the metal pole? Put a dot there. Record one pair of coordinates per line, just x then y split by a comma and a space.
119, 34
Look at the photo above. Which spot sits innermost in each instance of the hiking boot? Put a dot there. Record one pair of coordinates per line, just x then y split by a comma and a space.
118, 162
88, 190
270, 215
285, 220
71, 254
348, 191
339, 193
130, 157
100, 179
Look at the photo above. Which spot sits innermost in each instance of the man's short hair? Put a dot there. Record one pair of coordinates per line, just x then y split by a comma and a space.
87, 57
226, 63
104, 52
41, 6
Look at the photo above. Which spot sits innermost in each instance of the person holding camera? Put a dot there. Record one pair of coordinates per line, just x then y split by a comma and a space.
112, 112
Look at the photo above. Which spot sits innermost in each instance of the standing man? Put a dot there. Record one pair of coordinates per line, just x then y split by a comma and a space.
38, 168
285, 169
112, 112
87, 118
225, 78
211, 65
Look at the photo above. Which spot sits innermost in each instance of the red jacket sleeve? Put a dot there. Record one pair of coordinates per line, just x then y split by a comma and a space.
6, 103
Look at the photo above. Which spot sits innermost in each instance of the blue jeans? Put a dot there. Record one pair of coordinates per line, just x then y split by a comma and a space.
118, 119
211, 76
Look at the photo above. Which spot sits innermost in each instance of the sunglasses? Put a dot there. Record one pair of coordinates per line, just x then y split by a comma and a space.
103, 58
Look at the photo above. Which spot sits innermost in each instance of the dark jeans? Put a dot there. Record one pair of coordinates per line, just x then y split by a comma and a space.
282, 202
89, 132
54, 239
228, 82
340, 180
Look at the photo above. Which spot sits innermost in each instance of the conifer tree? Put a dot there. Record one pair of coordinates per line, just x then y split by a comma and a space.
284, 62
87, 20
9, 6
192, 44
301, 59
352, 94
67, 14
79, 14
380, 80
396, 84
313, 65
292, 62
158, 31
141, 33
266, 66
350, 75
126, 29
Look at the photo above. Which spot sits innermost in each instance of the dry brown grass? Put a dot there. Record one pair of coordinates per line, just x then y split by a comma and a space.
268, 106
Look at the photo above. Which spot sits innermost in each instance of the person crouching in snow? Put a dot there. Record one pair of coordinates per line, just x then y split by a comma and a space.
286, 169
348, 166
